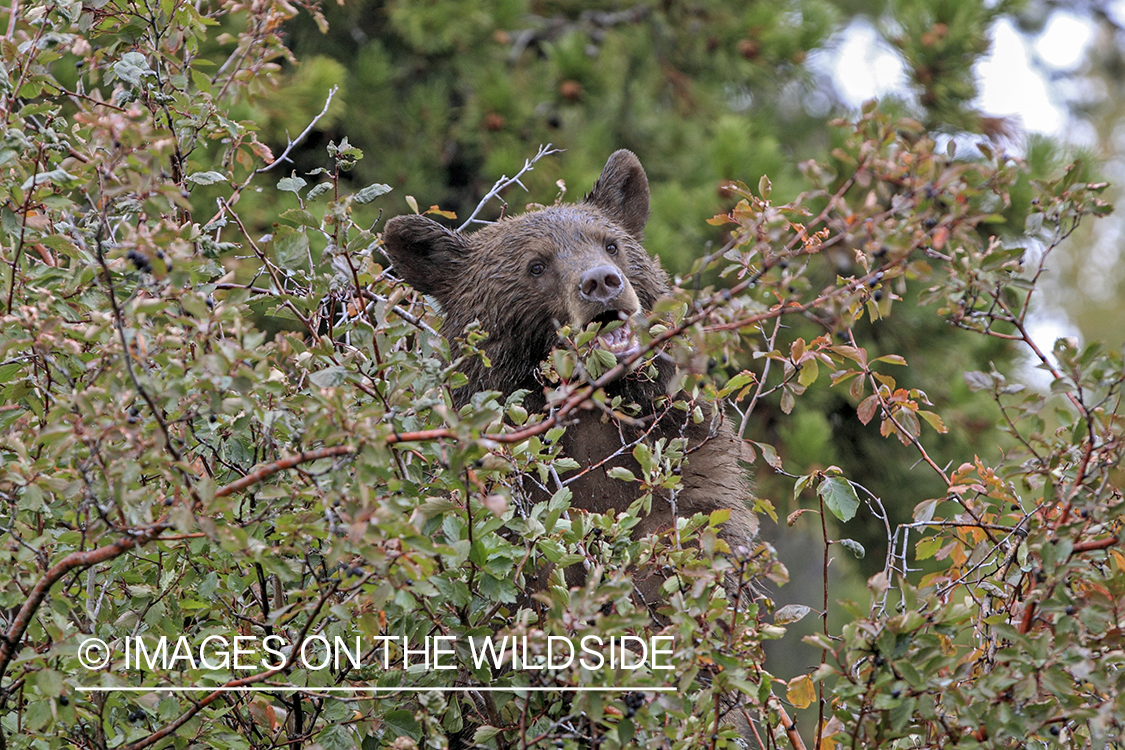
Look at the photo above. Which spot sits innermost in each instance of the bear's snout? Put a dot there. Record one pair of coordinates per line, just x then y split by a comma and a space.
603, 284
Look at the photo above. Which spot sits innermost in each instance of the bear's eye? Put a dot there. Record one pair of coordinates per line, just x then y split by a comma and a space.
537, 268
611, 247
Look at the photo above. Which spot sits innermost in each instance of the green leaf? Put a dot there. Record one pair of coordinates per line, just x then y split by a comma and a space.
49, 682
924, 549
787, 400
206, 178
132, 67
643, 455
371, 192
790, 613
291, 248
978, 381
54, 177
839, 496
484, 733
809, 371
291, 184
801, 483
318, 190
329, 377
402, 723
300, 217
620, 472
625, 731
336, 737
854, 547
743, 378
769, 454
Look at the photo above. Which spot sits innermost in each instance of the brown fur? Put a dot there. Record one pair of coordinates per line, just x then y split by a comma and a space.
488, 276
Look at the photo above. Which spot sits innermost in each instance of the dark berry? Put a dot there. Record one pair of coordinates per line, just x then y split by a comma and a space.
633, 703
140, 262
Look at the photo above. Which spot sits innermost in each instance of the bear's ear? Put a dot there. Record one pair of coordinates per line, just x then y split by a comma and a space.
424, 253
622, 192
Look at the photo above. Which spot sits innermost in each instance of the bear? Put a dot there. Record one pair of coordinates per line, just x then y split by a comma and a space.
522, 278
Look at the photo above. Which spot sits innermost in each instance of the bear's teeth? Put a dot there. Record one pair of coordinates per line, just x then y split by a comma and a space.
618, 340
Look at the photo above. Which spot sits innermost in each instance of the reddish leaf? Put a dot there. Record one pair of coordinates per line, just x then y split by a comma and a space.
867, 409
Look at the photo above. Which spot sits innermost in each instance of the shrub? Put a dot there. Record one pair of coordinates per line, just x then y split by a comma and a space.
214, 428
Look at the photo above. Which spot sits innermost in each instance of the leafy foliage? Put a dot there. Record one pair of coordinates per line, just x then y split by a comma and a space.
210, 431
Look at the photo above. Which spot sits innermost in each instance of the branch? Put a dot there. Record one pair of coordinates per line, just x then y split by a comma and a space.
9, 644
1096, 544
505, 182
284, 157
119, 324
295, 141
186, 716
267, 470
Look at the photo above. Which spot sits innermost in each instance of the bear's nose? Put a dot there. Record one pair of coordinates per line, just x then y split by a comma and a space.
602, 284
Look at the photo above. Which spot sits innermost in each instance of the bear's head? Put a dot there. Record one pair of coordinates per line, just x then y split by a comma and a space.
525, 276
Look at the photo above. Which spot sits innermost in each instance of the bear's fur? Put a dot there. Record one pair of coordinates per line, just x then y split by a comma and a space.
525, 276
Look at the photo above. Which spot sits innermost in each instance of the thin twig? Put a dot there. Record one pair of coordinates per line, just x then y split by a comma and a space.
505, 182
293, 143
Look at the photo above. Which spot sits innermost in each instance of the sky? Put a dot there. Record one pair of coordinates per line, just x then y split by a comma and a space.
1014, 79
1018, 80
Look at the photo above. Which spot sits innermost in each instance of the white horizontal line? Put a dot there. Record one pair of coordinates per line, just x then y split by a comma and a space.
311, 689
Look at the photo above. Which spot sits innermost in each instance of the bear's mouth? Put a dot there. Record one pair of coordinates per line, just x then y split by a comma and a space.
618, 340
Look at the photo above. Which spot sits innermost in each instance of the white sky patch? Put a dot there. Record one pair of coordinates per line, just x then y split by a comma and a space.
1045, 326
1011, 87
1064, 40
1116, 12
861, 65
